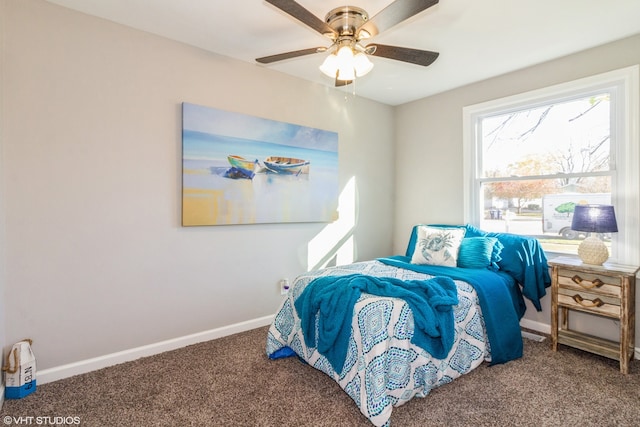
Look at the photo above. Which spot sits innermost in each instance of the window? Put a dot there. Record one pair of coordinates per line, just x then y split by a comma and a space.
530, 158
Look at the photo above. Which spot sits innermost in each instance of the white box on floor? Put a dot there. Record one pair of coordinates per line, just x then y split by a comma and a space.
20, 371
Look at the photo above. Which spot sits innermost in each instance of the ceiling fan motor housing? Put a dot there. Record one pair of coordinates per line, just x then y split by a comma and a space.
346, 20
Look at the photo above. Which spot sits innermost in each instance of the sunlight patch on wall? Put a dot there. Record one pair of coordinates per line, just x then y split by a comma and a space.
335, 244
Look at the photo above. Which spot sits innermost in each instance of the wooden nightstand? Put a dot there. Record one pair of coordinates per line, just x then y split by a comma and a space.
608, 291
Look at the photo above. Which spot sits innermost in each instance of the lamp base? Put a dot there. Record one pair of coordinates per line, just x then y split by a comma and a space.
592, 250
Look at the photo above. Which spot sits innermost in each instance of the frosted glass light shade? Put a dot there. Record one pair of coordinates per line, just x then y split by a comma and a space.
330, 66
362, 64
346, 73
345, 56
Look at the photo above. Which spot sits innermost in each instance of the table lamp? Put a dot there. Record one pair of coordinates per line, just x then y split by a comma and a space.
594, 219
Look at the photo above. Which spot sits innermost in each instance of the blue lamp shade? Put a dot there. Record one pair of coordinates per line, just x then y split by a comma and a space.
594, 219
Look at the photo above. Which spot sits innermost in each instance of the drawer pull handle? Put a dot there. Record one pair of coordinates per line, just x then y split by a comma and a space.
587, 303
594, 283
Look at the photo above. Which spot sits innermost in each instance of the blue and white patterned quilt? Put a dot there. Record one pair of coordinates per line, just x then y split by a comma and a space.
383, 369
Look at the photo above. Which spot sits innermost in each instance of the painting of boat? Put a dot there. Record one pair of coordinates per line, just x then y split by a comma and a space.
242, 163
286, 165
225, 180
241, 167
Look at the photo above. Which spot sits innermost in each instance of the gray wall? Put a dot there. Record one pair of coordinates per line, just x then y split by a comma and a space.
96, 260
429, 157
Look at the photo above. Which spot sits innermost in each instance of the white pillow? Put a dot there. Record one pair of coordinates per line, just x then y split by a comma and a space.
437, 246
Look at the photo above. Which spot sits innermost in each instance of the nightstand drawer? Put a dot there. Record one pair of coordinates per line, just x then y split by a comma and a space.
590, 302
592, 283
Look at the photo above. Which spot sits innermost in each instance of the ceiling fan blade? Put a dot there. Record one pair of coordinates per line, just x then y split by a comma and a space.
288, 55
414, 56
303, 15
394, 14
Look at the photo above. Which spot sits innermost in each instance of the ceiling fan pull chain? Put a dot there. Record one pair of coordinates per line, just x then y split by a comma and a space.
346, 90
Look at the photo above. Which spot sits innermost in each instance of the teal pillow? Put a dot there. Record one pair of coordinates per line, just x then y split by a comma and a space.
477, 252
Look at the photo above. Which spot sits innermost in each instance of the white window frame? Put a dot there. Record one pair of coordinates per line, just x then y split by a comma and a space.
624, 84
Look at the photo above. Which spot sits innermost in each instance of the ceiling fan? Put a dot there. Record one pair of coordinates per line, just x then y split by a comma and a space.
347, 27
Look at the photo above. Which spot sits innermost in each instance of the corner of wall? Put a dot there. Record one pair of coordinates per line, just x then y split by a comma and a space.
3, 6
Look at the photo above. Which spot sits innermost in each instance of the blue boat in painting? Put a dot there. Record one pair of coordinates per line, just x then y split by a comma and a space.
286, 165
241, 168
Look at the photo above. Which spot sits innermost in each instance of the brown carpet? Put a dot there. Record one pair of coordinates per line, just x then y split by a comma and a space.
231, 382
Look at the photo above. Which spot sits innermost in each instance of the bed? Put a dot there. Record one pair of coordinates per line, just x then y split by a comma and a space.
391, 329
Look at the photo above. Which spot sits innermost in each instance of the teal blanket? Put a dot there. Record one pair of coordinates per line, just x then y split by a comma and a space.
332, 299
500, 299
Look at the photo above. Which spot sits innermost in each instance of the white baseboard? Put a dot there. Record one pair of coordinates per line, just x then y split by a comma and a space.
546, 329
84, 366
536, 326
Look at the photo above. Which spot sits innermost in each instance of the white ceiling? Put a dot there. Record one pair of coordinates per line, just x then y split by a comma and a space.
477, 39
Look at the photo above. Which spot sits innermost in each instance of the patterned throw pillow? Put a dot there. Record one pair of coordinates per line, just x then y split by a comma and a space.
476, 252
437, 246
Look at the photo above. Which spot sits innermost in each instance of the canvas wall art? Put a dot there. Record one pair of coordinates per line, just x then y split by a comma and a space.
241, 169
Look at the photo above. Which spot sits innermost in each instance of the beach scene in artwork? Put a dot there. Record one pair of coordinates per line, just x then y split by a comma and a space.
240, 169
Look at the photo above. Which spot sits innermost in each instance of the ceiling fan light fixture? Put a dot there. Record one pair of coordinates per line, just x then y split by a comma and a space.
330, 66
361, 64
345, 56
345, 64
